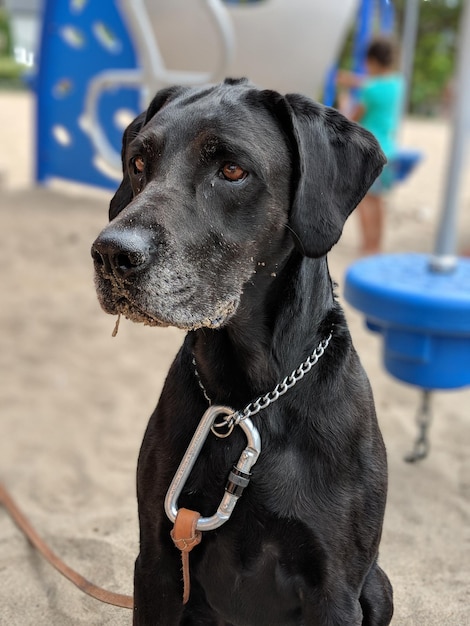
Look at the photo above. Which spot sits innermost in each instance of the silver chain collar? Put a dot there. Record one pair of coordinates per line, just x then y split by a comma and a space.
263, 402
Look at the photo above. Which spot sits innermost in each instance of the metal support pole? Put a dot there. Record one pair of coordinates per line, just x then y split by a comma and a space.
444, 259
408, 46
423, 419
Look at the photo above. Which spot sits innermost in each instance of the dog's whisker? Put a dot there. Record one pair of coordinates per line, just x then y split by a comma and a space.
296, 238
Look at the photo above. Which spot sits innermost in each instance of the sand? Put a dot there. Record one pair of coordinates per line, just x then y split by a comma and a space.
75, 402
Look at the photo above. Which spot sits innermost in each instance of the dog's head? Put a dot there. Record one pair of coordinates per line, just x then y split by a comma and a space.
219, 185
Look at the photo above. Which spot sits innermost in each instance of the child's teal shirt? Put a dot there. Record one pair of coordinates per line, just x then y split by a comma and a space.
382, 98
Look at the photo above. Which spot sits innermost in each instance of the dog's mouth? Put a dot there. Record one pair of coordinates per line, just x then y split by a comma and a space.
184, 321
153, 303
134, 314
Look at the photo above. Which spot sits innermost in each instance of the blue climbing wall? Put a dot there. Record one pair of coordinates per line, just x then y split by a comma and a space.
80, 38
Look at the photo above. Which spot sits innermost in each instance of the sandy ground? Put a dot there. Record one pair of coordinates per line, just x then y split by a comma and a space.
74, 404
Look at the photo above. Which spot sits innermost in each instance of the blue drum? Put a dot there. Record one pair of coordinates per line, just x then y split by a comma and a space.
423, 316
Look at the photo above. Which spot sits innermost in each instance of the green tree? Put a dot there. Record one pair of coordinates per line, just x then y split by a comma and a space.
435, 53
9, 69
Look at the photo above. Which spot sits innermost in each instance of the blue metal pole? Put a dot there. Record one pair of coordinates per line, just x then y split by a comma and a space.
364, 24
363, 33
387, 16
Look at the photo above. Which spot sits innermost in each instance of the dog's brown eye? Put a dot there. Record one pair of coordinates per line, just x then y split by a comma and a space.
139, 164
233, 172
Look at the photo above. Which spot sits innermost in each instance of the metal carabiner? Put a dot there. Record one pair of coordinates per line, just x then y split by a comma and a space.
239, 476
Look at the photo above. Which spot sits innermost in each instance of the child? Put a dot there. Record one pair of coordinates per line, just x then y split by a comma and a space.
378, 108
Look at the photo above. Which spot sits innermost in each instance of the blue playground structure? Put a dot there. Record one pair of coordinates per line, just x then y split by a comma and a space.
420, 304
76, 35
101, 62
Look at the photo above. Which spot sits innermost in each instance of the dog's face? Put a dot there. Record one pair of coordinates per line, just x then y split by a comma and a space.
215, 194
205, 195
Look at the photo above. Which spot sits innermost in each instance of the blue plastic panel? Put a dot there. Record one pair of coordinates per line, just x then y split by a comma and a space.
444, 364
404, 162
80, 38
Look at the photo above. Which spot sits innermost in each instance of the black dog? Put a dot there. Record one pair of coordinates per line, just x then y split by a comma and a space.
230, 200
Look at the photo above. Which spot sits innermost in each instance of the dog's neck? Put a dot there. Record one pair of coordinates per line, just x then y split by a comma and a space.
279, 323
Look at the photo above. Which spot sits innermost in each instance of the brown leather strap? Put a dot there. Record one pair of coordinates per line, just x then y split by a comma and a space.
109, 597
185, 536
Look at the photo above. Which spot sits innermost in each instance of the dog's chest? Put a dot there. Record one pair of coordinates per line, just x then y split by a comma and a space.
282, 480
250, 567
246, 580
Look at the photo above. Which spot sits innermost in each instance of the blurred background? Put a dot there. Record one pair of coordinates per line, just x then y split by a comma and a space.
90, 69
433, 69
74, 402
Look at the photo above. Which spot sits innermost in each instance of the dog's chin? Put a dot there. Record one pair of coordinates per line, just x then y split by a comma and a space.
182, 320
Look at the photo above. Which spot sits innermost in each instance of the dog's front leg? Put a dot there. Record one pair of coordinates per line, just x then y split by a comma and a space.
332, 607
158, 589
377, 598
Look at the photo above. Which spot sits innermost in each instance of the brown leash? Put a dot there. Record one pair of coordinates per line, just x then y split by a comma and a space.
109, 597
185, 536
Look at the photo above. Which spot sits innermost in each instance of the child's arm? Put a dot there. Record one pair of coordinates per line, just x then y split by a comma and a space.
357, 112
348, 80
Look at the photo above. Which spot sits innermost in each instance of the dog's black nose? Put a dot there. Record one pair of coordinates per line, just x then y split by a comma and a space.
121, 253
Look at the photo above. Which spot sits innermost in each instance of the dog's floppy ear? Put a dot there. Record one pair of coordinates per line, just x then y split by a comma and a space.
124, 193
335, 161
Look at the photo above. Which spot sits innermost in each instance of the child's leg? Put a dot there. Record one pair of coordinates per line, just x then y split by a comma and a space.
371, 215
